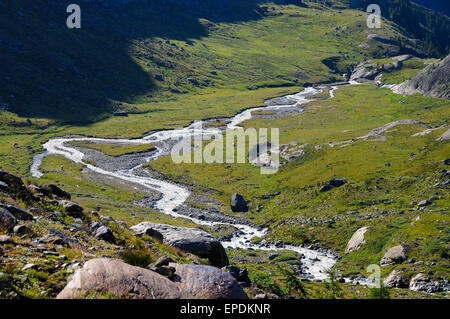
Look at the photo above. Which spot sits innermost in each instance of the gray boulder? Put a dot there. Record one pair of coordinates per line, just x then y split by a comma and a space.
72, 209
195, 241
444, 137
394, 255
110, 276
357, 240
421, 283
332, 183
365, 71
424, 203
102, 232
395, 280
208, 282
59, 192
238, 203
17, 212
15, 185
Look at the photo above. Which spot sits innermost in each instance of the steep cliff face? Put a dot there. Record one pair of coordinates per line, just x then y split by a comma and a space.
433, 81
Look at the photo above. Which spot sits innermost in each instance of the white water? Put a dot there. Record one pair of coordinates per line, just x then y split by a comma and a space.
315, 264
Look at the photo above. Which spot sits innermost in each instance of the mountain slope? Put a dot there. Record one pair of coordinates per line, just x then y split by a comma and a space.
432, 81
129, 50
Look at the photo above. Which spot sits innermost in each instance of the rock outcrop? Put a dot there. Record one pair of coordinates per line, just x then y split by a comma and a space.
207, 282
238, 203
393, 256
395, 280
332, 183
445, 136
59, 192
71, 208
356, 240
15, 185
113, 277
421, 283
194, 241
433, 81
17, 212
102, 232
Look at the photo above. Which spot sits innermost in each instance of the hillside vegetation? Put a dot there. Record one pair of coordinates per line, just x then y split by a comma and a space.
138, 51
141, 66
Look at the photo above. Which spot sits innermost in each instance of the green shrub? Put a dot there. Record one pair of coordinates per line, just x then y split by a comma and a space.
266, 283
380, 293
139, 258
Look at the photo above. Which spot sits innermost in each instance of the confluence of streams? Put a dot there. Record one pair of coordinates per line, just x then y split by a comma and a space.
315, 264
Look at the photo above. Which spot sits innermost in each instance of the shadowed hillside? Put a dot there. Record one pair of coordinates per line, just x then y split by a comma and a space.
72, 75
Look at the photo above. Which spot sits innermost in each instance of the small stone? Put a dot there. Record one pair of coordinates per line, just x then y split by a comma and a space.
5, 239
273, 256
106, 218
28, 266
21, 230
424, 203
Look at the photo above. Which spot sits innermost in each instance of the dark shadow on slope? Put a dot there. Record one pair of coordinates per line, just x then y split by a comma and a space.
71, 75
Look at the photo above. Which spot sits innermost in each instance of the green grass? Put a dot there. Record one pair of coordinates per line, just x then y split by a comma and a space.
408, 70
372, 186
238, 62
251, 60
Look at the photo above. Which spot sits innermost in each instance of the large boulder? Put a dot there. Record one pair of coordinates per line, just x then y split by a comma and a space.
71, 208
100, 231
17, 212
332, 183
206, 282
114, 277
195, 241
356, 240
238, 203
59, 192
421, 283
394, 255
365, 71
7, 221
15, 185
395, 280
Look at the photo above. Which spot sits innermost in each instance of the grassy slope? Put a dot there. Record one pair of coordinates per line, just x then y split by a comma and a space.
255, 59
252, 58
372, 188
